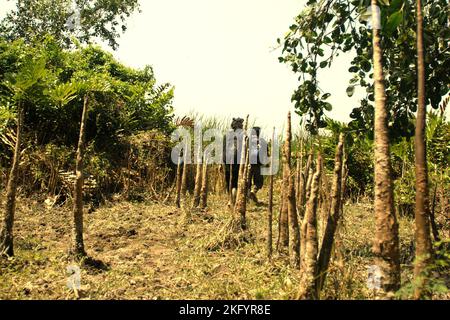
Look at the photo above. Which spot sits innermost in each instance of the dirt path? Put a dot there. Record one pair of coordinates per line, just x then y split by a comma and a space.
137, 242
133, 243
150, 251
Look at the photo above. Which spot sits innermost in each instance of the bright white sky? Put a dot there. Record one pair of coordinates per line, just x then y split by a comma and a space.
219, 55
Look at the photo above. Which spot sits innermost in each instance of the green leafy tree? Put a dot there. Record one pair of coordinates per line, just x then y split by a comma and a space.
21, 86
136, 103
66, 20
327, 28
96, 84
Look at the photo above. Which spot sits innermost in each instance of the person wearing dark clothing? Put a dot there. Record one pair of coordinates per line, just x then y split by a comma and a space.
256, 178
232, 158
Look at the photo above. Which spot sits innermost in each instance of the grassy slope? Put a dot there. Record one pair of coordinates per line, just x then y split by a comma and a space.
152, 252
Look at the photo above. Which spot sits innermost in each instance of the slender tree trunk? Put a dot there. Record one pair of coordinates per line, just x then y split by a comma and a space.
307, 184
303, 224
198, 179
338, 250
333, 218
344, 180
184, 177
240, 208
386, 242
294, 232
178, 182
77, 249
246, 183
6, 234
204, 190
270, 210
232, 199
325, 204
248, 171
280, 210
422, 209
300, 178
309, 249
325, 192
284, 213
220, 185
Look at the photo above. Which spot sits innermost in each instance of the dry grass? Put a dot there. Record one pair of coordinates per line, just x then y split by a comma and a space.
151, 251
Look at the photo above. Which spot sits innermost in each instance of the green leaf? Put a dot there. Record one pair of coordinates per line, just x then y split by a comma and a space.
366, 65
365, 15
326, 96
64, 93
394, 21
396, 4
351, 91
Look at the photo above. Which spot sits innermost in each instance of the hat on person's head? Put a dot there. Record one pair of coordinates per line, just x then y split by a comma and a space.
237, 123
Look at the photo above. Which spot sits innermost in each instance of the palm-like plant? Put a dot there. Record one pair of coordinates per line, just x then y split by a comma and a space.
87, 87
22, 87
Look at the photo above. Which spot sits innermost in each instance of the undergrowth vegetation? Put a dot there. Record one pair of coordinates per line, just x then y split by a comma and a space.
151, 251
86, 156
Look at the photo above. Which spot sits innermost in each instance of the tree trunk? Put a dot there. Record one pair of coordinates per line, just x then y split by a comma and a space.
232, 199
303, 221
300, 178
77, 249
240, 208
325, 193
338, 250
198, 179
386, 242
333, 218
204, 190
178, 182
308, 180
270, 210
220, 185
280, 209
7, 234
422, 209
185, 175
284, 212
246, 183
294, 232
344, 180
309, 249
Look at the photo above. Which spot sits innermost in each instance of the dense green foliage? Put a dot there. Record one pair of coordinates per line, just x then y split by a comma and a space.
66, 20
359, 152
327, 28
50, 83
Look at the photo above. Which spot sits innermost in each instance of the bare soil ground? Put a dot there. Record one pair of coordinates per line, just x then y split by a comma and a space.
151, 251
